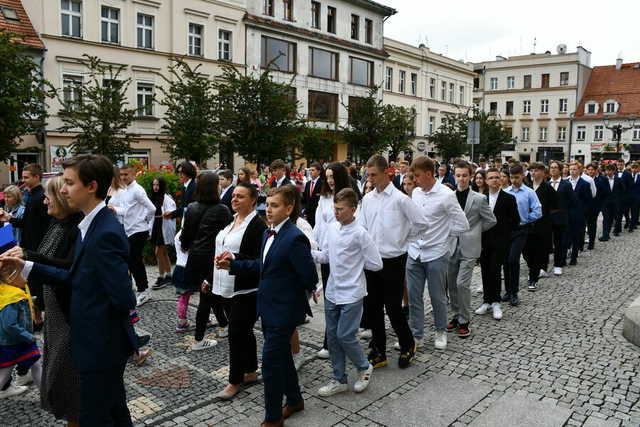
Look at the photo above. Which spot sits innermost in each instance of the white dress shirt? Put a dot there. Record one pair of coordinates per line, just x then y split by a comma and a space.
493, 198
591, 182
224, 191
573, 182
392, 220
269, 241
612, 180
136, 209
228, 240
325, 216
555, 183
349, 250
446, 218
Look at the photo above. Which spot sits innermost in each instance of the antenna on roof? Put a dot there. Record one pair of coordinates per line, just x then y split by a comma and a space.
535, 42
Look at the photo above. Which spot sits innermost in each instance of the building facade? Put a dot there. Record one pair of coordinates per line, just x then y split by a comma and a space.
612, 98
535, 97
429, 84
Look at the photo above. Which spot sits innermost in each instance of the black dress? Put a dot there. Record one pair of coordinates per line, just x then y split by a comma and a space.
157, 238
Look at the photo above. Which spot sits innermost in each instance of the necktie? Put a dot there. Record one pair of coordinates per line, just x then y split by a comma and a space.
313, 184
271, 233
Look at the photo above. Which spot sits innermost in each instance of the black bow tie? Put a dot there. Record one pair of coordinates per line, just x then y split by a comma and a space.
271, 233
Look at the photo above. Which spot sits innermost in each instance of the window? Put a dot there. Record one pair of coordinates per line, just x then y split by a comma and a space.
278, 55
195, 39
543, 134
432, 125
324, 64
323, 106
452, 88
368, 31
545, 81
414, 84
610, 107
527, 82
361, 72
461, 95
509, 131
331, 19
526, 107
288, 10
525, 134
315, 15
563, 105
224, 45
443, 91
355, 27
388, 79
145, 31
10, 14
71, 91
636, 133
401, 82
562, 133
493, 83
509, 108
493, 108
564, 78
544, 106
432, 88
145, 100
591, 108
110, 24
511, 82
267, 8
71, 16
580, 134
598, 133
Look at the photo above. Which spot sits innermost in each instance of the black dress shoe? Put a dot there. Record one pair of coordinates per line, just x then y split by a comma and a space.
573, 262
603, 239
616, 233
514, 301
505, 298
590, 247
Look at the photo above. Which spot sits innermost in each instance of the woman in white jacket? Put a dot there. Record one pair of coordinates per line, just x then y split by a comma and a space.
163, 231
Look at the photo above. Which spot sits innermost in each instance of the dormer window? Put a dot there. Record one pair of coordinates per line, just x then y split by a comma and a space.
610, 107
591, 108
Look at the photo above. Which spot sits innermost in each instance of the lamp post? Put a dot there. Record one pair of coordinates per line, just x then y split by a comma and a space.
618, 129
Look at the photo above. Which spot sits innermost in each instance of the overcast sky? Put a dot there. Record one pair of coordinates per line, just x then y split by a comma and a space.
478, 31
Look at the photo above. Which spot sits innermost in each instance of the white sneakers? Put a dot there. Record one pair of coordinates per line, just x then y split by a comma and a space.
205, 344
497, 310
440, 340
363, 382
557, 271
543, 274
222, 332
143, 297
483, 309
24, 380
13, 390
334, 387
419, 343
365, 334
323, 354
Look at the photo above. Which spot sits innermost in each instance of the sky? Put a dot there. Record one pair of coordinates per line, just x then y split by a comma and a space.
479, 30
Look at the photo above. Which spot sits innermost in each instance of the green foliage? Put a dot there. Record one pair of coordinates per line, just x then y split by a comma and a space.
22, 94
190, 117
100, 116
174, 189
257, 117
365, 131
493, 136
317, 145
400, 125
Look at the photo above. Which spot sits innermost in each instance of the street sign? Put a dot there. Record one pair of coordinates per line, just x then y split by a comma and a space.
473, 132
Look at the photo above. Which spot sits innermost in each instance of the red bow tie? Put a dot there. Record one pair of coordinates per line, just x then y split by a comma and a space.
271, 232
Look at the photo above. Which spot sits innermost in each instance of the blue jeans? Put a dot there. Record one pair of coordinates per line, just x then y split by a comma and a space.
434, 272
341, 323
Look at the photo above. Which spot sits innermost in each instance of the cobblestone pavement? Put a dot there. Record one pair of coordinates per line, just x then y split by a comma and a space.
557, 359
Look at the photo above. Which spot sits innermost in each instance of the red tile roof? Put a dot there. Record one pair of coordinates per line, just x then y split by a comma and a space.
22, 27
607, 83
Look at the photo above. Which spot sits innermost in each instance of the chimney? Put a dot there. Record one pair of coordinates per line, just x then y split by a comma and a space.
619, 62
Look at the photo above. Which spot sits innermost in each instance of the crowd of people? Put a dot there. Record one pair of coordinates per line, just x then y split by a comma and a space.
251, 244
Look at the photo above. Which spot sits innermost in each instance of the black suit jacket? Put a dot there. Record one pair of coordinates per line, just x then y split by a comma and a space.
549, 201
608, 195
35, 221
627, 181
250, 250
226, 200
187, 198
498, 237
310, 201
565, 197
397, 181
286, 181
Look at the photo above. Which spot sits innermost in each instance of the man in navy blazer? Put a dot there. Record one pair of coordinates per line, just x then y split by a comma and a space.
287, 275
634, 195
560, 217
187, 174
102, 336
625, 199
612, 193
577, 210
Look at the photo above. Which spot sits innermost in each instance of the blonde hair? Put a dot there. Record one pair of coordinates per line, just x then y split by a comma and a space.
15, 192
54, 185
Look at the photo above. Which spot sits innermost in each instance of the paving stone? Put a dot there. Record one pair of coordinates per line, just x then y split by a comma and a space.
510, 409
599, 422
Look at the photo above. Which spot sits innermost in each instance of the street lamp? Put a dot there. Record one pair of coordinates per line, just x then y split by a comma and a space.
618, 129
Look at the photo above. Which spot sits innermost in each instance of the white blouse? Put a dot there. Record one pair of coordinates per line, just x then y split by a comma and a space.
227, 240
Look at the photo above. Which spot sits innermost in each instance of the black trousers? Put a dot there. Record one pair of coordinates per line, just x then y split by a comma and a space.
136, 263
609, 215
243, 358
103, 399
221, 309
491, 260
385, 289
592, 226
576, 234
512, 264
536, 254
559, 245
635, 213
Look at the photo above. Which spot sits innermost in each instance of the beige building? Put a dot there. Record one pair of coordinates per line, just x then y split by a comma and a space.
535, 97
429, 83
142, 36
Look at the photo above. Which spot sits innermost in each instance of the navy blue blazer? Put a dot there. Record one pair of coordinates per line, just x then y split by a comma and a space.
566, 198
608, 195
627, 181
635, 187
448, 178
102, 336
187, 197
226, 200
286, 276
583, 198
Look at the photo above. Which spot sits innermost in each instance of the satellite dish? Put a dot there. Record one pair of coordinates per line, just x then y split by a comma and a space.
562, 49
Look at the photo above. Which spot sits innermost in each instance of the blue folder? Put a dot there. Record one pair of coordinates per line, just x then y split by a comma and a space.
7, 240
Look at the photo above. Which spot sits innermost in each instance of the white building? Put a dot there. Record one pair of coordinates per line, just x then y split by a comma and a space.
332, 51
430, 84
534, 96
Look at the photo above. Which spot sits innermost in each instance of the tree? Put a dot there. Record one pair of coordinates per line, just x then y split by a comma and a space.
317, 144
400, 129
98, 111
450, 140
366, 129
256, 116
23, 92
493, 135
189, 120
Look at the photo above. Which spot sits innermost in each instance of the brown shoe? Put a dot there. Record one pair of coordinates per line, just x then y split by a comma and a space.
278, 423
287, 411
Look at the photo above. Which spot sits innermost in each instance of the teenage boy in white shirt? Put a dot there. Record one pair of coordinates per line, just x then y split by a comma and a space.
348, 250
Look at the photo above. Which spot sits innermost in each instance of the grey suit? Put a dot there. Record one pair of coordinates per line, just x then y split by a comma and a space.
466, 249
